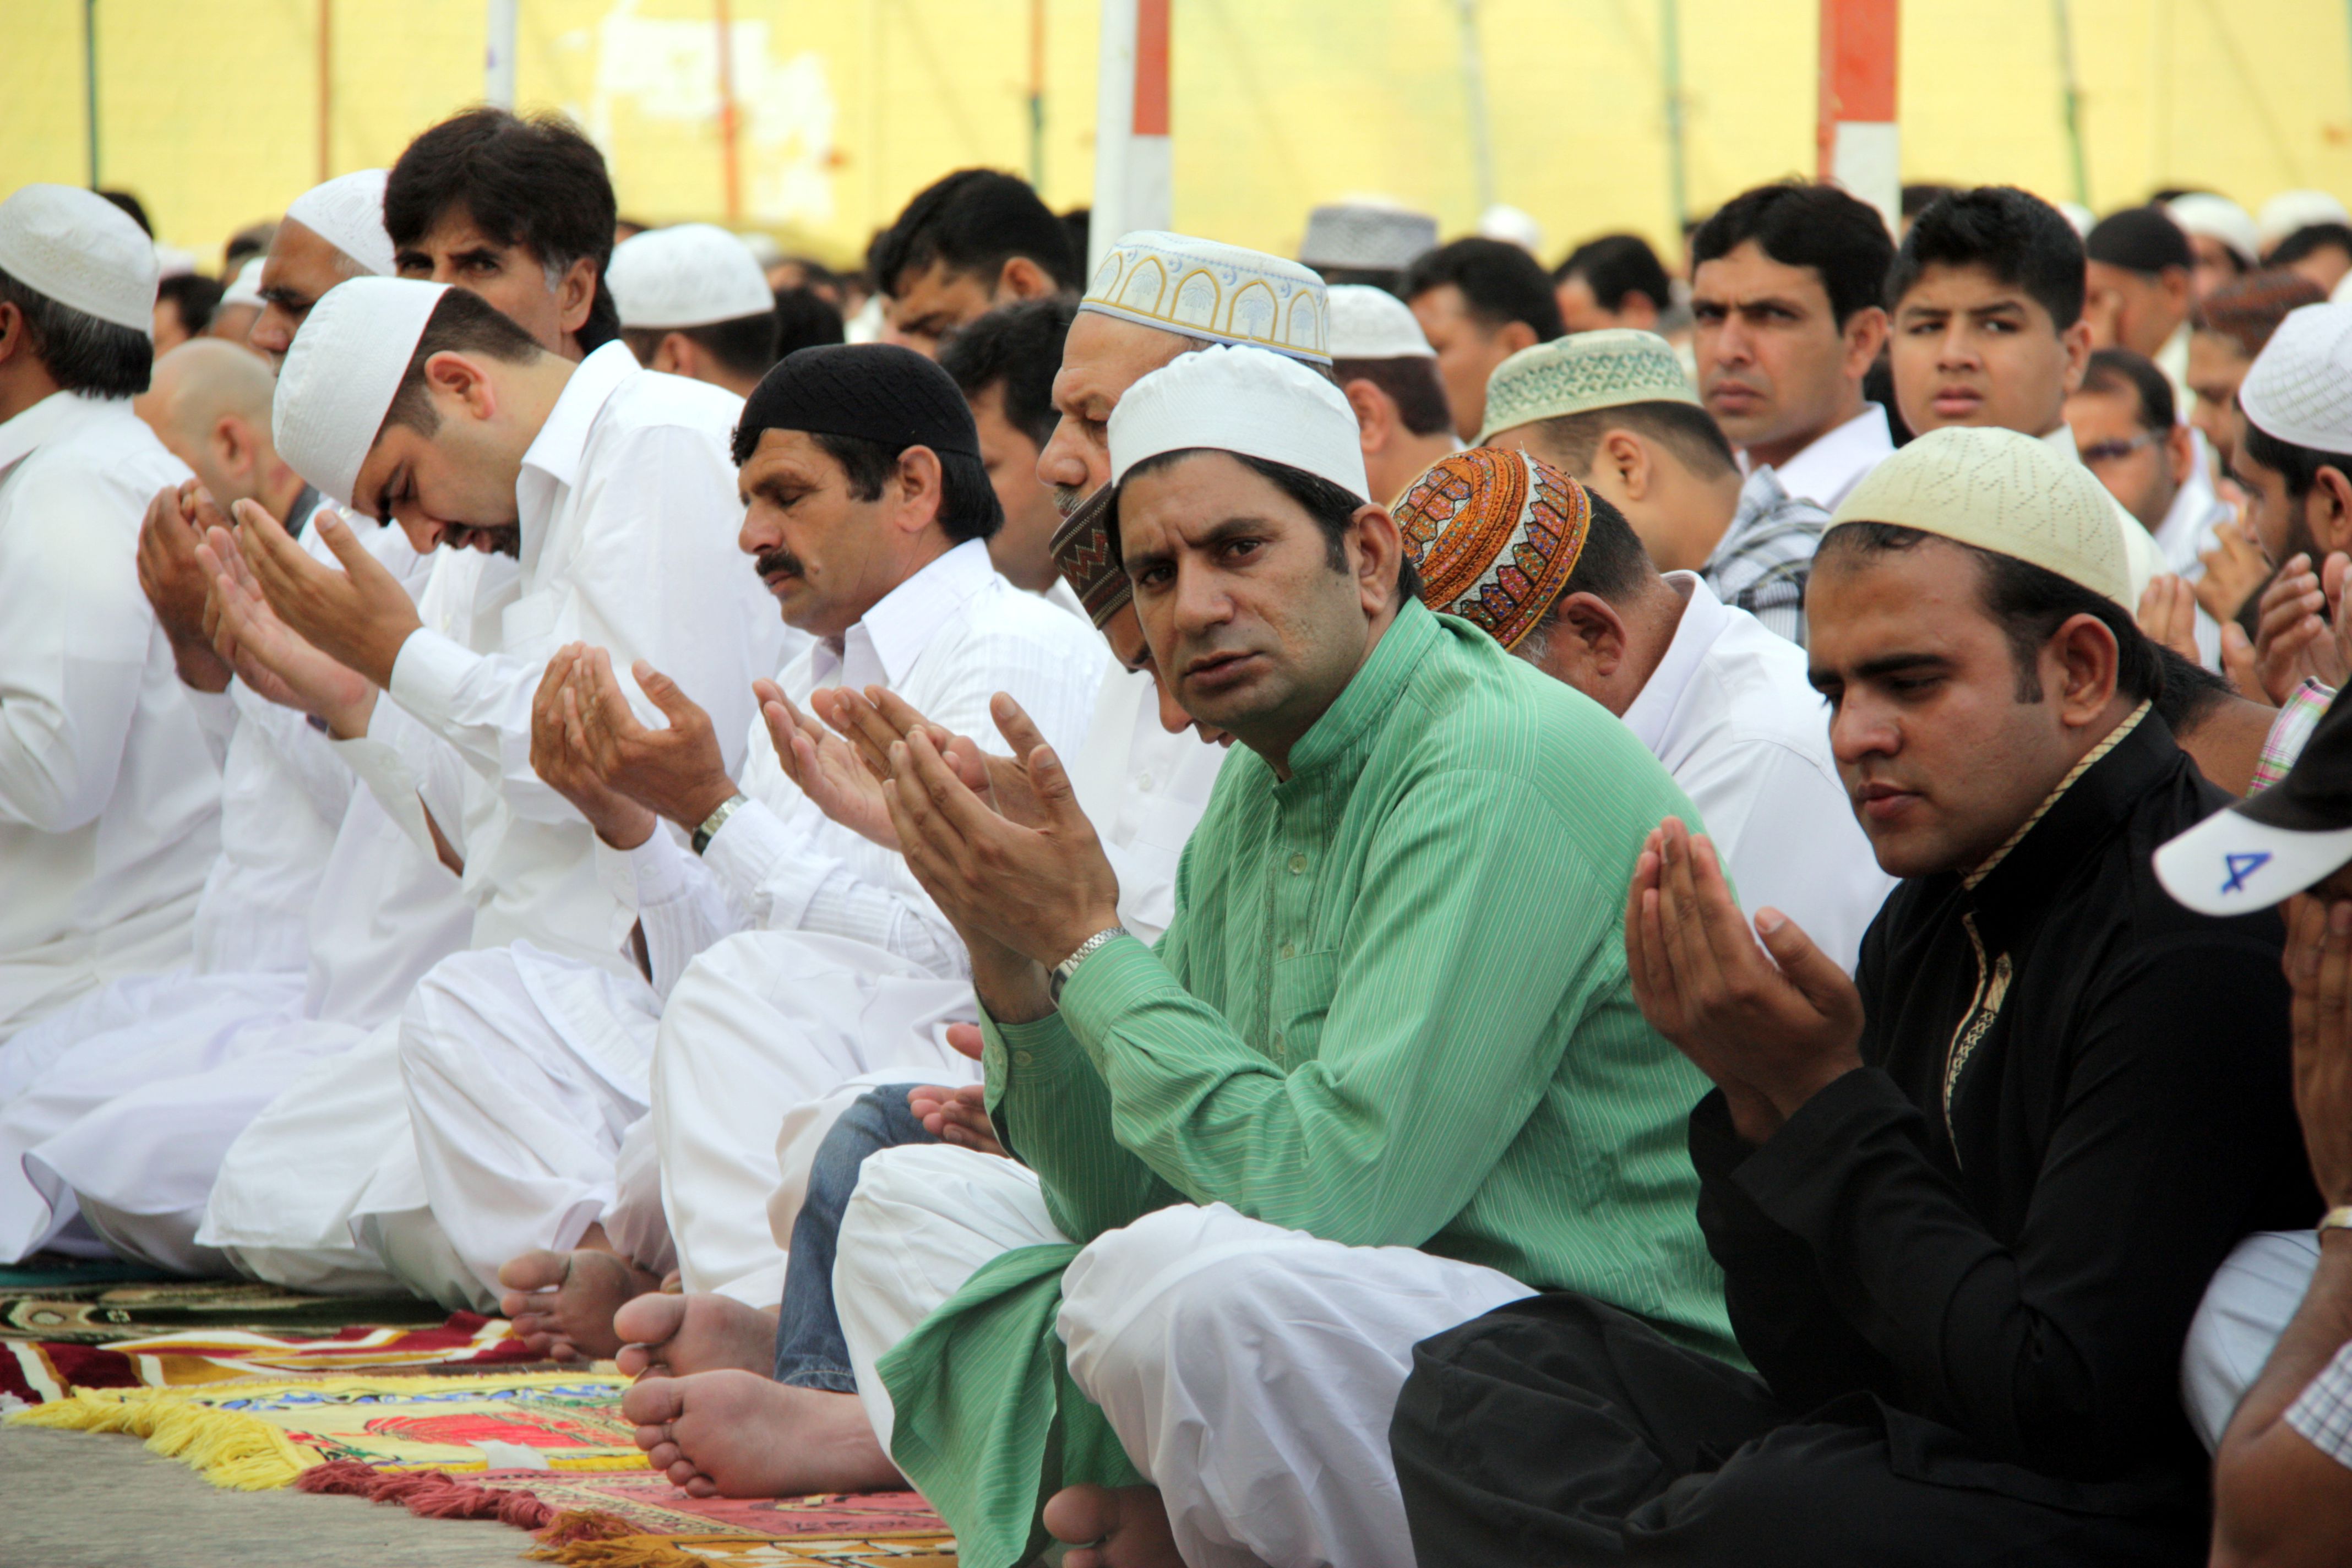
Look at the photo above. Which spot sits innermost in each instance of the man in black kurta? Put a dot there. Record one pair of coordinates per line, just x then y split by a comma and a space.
1965, 1208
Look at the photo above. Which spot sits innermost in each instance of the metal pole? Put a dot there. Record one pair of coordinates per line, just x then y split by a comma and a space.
1037, 93
1670, 29
1473, 93
326, 81
498, 58
1860, 138
89, 81
730, 149
1132, 127
2073, 99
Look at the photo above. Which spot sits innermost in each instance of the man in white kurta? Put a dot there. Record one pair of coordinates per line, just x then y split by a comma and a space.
615, 494
525, 1070
109, 797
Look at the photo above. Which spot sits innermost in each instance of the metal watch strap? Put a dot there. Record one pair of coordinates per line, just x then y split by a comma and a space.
717, 820
1069, 966
2335, 1219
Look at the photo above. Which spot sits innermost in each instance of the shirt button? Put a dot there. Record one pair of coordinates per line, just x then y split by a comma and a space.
1277, 1042
1022, 1058
1288, 950
1144, 782
1298, 864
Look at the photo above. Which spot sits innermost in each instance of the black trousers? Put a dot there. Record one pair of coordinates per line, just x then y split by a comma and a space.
1560, 1431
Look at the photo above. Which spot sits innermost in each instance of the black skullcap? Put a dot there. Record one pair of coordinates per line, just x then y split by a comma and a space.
2139, 239
880, 392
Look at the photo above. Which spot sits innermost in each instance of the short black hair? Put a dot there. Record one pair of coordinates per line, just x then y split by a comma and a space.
535, 182
1500, 284
133, 207
1614, 564
968, 505
2311, 237
1919, 196
2191, 692
1019, 347
1332, 508
2018, 237
745, 346
194, 296
1411, 383
2299, 465
1686, 429
806, 318
1841, 237
461, 322
1617, 265
252, 241
974, 220
2028, 602
2120, 370
81, 353
2147, 240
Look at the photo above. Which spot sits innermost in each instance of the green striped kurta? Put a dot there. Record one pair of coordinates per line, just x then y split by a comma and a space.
1391, 1009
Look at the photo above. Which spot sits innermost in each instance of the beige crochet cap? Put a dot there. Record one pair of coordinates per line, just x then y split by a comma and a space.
1582, 372
2001, 491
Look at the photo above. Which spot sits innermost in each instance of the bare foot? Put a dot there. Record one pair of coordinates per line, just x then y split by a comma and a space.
736, 1434
674, 1336
563, 1302
1123, 1529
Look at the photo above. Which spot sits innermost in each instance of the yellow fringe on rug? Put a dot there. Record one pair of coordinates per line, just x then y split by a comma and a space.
622, 1551
230, 1448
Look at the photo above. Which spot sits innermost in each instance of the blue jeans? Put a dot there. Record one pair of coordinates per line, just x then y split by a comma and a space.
810, 1350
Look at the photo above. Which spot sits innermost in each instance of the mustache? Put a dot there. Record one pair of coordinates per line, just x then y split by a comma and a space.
1067, 499
772, 560
504, 538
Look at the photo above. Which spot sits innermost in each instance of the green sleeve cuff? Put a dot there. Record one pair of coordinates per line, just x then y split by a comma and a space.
1033, 1055
1115, 979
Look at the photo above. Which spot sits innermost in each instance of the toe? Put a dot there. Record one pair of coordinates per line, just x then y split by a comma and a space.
635, 1361
539, 1269
653, 1401
1081, 1514
649, 1320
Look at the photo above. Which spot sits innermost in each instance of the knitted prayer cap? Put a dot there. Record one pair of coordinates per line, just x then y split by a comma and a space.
2001, 491
688, 275
1495, 536
1367, 236
346, 212
1220, 293
881, 393
1582, 372
1244, 400
1372, 323
2203, 215
78, 248
342, 374
1082, 554
2300, 388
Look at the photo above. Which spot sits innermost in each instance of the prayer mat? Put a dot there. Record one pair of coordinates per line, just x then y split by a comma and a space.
103, 1309
739, 1551
257, 1434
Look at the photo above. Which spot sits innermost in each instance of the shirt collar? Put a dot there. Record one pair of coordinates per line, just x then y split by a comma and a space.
2073, 823
1651, 715
562, 441
1835, 459
44, 421
1371, 695
903, 621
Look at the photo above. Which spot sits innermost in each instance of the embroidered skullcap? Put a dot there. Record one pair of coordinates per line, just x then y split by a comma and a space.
2300, 388
2290, 210
1372, 323
1082, 554
1607, 368
1219, 293
881, 393
2139, 239
1366, 236
1244, 400
1495, 536
78, 248
2248, 310
346, 212
2205, 216
245, 289
689, 275
346, 363
2001, 491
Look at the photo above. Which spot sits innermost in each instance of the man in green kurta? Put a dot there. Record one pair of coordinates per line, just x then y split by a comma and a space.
1382, 1073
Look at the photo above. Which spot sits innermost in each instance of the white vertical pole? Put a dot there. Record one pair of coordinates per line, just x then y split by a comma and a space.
498, 58
1131, 140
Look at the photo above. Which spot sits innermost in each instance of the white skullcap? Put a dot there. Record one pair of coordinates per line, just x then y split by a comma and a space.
1371, 233
2081, 217
2001, 491
341, 375
688, 275
1242, 400
2292, 210
1505, 222
81, 250
171, 261
245, 289
346, 212
2299, 389
763, 248
1221, 293
1372, 323
2204, 214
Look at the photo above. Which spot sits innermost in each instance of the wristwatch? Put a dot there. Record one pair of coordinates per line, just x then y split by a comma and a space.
717, 820
2335, 1219
1069, 966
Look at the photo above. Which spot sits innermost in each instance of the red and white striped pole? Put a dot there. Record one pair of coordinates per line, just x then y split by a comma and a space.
1131, 146
1860, 147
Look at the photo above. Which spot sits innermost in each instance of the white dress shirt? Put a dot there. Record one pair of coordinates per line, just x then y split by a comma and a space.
947, 639
110, 796
1835, 460
629, 512
1144, 790
1731, 715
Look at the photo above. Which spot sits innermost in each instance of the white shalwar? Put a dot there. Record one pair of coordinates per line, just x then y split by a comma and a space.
1731, 716
525, 1068
145, 1084
110, 798
628, 512
2248, 1303
1250, 1372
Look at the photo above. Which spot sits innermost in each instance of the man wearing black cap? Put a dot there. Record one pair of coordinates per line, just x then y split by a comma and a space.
2137, 292
2270, 1354
785, 951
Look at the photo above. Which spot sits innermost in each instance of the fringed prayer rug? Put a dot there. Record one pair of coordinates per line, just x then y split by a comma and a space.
82, 1309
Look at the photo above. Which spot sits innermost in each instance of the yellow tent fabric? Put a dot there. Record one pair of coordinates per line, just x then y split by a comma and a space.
209, 109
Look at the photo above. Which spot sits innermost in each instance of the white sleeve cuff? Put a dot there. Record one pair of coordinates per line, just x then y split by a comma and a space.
427, 673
